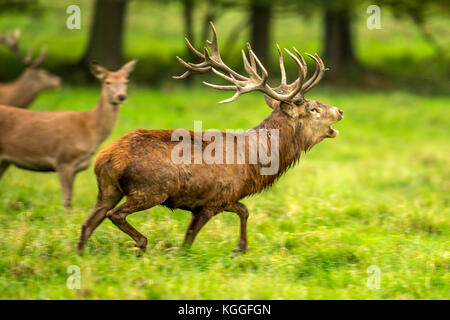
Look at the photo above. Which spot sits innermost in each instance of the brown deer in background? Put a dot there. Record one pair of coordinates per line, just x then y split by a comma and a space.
22, 91
139, 164
62, 141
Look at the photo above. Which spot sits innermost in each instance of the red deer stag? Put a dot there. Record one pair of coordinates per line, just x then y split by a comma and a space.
22, 91
140, 164
62, 141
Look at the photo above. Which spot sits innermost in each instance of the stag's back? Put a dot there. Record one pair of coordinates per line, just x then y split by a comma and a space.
142, 161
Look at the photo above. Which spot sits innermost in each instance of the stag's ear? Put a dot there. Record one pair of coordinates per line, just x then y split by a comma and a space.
128, 67
272, 103
290, 109
97, 70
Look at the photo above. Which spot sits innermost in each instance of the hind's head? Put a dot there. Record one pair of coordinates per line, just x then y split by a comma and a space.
114, 83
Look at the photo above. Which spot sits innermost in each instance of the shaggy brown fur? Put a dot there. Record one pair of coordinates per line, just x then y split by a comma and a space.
139, 166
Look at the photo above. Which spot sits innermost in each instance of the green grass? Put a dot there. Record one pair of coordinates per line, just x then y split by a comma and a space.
378, 195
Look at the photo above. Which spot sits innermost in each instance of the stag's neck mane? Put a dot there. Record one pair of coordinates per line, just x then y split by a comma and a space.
292, 141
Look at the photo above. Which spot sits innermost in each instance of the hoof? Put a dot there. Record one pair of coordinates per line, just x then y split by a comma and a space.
140, 249
240, 250
139, 253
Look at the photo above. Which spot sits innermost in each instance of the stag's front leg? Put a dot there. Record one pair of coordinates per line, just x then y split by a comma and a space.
241, 210
66, 178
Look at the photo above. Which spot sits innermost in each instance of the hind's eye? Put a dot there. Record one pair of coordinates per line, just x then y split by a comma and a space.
107, 82
315, 110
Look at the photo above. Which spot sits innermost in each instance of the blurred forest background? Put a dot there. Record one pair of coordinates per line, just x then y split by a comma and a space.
411, 50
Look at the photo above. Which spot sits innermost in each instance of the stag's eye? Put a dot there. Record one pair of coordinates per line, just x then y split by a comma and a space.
107, 82
315, 110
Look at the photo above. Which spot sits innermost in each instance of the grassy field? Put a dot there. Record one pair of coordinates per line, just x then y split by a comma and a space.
377, 195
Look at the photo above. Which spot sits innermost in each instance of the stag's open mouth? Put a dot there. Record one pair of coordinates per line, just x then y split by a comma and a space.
332, 133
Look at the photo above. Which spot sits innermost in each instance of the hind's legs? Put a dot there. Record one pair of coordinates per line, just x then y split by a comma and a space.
107, 199
133, 204
66, 179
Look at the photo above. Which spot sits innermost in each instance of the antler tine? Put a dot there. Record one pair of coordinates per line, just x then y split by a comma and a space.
192, 68
183, 76
220, 74
318, 74
213, 44
303, 62
250, 69
301, 75
234, 97
252, 59
212, 60
265, 74
41, 59
12, 42
198, 53
283, 70
215, 86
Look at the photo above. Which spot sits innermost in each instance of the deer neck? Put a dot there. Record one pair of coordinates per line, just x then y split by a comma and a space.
104, 117
292, 141
23, 91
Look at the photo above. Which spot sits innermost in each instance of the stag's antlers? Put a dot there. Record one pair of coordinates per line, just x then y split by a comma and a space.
292, 92
12, 42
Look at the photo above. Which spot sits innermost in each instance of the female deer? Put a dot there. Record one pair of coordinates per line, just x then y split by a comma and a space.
62, 141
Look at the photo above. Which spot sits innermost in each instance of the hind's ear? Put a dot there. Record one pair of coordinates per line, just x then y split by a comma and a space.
97, 70
272, 103
128, 67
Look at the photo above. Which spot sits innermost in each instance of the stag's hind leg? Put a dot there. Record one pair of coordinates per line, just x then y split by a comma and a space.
3, 166
133, 204
107, 199
241, 210
198, 221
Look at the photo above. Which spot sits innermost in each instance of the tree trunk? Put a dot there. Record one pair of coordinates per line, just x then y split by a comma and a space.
106, 37
210, 15
188, 13
260, 12
339, 54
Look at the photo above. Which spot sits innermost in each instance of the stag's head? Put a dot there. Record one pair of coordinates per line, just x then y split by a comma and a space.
114, 83
42, 79
314, 118
34, 74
